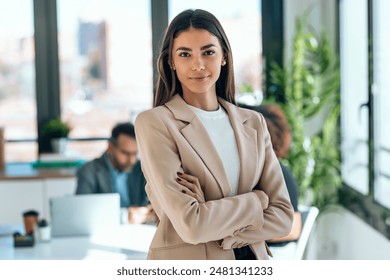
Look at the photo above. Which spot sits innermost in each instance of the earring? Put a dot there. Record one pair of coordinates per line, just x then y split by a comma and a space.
224, 63
171, 66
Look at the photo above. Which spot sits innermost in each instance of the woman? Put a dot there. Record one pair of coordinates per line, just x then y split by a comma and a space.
280, 134
212, 176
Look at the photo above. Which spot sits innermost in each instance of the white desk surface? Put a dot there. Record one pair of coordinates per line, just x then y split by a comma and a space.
125, 242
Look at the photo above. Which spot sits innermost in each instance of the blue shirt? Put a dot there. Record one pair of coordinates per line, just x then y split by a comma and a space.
119, 181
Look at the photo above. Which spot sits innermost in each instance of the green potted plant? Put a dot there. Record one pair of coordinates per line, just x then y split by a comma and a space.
57, 132
311, 84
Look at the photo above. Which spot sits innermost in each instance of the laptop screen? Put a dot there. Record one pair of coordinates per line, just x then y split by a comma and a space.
85, 214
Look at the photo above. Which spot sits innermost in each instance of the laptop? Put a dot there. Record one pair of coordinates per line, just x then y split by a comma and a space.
83, 215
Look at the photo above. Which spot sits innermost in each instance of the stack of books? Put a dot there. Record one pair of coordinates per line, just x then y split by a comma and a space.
57, 160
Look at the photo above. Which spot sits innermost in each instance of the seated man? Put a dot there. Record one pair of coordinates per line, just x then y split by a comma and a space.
118, 170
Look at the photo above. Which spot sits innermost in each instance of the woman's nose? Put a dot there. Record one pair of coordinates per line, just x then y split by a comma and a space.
198, 65
200, 68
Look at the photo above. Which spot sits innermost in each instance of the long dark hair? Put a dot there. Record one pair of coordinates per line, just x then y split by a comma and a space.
167, 82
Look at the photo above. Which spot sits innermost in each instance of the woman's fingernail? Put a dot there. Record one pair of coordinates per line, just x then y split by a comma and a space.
179, 173
178, 179
183, 191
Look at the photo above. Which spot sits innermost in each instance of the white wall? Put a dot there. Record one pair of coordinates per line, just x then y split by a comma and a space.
341, 235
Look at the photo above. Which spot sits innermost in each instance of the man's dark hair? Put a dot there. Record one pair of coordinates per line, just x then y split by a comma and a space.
122, 128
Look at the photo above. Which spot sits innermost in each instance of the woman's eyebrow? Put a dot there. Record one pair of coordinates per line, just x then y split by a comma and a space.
183, 49
208, 46
189, 49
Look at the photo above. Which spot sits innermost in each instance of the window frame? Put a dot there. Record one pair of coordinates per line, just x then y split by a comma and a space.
47, 81
365, 206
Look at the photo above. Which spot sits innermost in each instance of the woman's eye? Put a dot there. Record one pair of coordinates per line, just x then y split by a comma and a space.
209, 52
184, 54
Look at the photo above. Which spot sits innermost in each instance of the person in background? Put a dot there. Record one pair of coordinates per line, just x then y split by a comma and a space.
118, 170
280, 132
212, 175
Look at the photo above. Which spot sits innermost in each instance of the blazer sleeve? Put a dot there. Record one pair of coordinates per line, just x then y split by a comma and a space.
278, 216
86, 183
194, 222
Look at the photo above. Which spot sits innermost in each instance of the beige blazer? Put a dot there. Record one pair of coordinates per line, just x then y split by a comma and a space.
171, 139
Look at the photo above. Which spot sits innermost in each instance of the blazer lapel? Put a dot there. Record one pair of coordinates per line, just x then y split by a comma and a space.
246, 143
104, 176
197, 136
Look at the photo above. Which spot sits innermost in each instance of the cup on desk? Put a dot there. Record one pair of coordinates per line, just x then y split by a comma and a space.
30, 219
44, 230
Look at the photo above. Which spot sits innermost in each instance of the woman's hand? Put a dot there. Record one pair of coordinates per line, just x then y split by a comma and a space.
138, 215
192, 184
142, 215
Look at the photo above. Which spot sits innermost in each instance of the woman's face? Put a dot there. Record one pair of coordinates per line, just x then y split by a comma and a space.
197, 58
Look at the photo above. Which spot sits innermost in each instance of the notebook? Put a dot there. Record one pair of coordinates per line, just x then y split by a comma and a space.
83, 215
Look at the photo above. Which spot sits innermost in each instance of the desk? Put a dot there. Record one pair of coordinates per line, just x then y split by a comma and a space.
125, 242
25, 171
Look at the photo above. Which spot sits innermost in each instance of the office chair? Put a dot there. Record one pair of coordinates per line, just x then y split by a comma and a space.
309, 215
295, 250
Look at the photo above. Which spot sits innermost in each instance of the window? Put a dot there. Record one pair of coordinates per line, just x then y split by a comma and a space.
365, 89
105, 52
235, 19
381, 61
354, 93
17, 76
106, 65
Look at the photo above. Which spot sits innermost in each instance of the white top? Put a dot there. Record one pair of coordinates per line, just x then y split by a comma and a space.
222, 135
